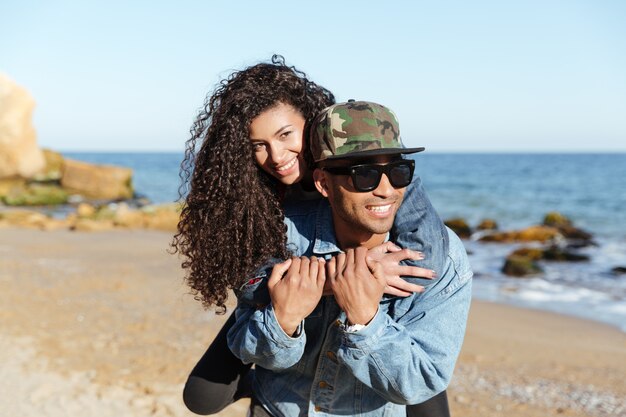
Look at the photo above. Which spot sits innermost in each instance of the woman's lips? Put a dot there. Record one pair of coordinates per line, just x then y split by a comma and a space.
288, 168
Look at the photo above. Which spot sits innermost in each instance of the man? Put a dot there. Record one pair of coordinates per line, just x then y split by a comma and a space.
355, 352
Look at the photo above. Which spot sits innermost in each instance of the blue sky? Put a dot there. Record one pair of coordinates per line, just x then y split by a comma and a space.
461, 76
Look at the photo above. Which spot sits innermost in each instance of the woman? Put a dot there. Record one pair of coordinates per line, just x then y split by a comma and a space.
244, 158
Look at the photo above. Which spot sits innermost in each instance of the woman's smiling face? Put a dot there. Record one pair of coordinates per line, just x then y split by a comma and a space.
277, 137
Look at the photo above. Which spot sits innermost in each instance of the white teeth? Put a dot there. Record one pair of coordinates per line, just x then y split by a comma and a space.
380, 209
288, 165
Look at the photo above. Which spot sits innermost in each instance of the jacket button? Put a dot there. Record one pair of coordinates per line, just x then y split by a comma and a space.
318, 408
331, 355
323, 384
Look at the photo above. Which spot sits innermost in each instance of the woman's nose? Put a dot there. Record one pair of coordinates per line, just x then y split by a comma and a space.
277, 154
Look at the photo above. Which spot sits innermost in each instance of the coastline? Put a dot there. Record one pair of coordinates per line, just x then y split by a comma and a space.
101, 324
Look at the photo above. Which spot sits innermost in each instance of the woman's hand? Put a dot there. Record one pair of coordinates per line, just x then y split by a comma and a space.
358, 284
295, 288
389, 256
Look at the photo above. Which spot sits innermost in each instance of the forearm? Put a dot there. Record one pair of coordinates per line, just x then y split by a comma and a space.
256, 337
411, 360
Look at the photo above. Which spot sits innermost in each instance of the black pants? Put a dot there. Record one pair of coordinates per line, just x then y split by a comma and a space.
219, 379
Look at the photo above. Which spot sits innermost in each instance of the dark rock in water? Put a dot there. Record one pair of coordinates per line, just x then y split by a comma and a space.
579, 244
533, 254
520, 266
567, 229
619, 270
556, 219
530, 234
554, 253
487, 224
574, 233
460, 227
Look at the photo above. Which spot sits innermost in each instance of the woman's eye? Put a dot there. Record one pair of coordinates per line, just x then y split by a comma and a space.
257, 147
285, 134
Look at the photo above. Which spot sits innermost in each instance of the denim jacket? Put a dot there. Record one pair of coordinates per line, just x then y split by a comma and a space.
405, 355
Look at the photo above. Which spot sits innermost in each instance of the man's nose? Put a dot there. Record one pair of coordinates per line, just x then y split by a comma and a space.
384, 189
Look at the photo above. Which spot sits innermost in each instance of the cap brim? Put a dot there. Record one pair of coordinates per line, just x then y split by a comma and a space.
374, 152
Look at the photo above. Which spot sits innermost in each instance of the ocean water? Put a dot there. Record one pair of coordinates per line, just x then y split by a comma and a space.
516, 190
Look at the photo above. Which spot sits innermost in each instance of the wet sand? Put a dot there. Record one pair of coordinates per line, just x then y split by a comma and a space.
101, 324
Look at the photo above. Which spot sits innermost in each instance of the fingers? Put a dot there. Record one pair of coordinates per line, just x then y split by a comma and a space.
376, 268
415, 271
383, 248
392, 247
321, 274
304, 266
331, 267
313, 268
340, 264
350, 256
396, 292
278, 271
404, 254
401, 285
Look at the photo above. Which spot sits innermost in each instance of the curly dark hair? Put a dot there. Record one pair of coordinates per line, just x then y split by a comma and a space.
232, 220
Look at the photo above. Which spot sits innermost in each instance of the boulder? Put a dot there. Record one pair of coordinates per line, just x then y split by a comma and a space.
567, 229
487, 224
85, 211
618, 270
124, 216
556, 219
530, 234
163, 217
53, 167
97, 181
534, 254
23, 218
11, 185
89, 225
520, 266
19, 154
553, 253
460, 227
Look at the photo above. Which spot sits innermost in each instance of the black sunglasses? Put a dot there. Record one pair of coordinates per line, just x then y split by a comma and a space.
366, 177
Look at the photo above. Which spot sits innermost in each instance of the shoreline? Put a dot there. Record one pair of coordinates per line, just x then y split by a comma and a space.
101, 324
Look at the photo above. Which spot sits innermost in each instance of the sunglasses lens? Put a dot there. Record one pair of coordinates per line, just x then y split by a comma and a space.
366, 178
400, 175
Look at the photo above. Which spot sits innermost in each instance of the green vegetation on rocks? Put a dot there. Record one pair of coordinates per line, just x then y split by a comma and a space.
520, 266
36, 195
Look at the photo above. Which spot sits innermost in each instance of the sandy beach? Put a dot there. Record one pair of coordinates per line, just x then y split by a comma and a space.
101, 324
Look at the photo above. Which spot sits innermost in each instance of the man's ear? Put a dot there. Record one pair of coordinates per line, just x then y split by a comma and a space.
321, 181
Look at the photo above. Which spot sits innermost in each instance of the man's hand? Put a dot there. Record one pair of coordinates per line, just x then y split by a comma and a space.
389, 256
358, 284
295, 288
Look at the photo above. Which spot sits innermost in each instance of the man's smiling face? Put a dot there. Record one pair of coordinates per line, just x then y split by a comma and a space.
358, 215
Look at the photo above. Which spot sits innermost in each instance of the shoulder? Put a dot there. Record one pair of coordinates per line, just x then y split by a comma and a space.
302, 219
458, 256
302, 208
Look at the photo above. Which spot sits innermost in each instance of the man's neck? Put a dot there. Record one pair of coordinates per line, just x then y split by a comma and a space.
347, 239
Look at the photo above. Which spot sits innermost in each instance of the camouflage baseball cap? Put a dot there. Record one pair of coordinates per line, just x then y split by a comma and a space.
356, 129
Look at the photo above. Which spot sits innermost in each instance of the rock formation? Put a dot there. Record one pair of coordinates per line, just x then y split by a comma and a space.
97, 181
19, 154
